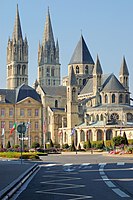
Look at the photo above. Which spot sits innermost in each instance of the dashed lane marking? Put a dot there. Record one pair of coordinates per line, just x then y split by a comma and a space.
120, 192
120, 163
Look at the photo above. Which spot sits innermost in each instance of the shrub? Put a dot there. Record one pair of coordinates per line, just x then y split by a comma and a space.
35, 145
65, 146
118, 140
73, 146
97, 144
130, 141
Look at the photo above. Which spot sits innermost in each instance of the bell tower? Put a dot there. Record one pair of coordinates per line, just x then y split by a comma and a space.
17, 57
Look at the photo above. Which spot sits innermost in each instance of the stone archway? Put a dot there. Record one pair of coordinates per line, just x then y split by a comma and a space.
100, 135
89, 135
109, 134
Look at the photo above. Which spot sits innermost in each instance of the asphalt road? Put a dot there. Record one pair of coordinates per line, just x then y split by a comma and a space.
81, 177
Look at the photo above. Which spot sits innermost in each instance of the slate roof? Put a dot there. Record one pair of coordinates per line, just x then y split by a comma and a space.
25, 91
81, 54
10, 95
112, 84
54, 90
109, 83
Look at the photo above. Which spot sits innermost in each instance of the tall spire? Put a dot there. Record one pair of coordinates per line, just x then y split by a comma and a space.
72, 77
97, 67
17, 33
48, 32
124, 69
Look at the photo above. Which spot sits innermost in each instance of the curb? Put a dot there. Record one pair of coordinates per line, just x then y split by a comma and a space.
8, 191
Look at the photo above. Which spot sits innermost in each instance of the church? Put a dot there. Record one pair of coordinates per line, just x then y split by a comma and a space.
88, 105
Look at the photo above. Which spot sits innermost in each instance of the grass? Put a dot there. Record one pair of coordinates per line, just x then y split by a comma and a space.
17, 155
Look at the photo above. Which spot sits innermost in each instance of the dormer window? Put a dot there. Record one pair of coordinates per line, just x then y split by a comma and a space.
77, 69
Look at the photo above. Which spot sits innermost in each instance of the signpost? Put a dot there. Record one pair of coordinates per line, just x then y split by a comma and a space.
21, 128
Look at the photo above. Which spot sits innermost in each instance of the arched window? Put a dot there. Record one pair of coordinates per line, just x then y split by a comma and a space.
56, 103
18, 69
82, 136
126, 98
73, 94
48, 71
113, 98
23, 70
52, 72
106, 98
120, 98
100, 99
129, 117
109, 134
99, 135
126, 81
101, 118
86, 69
77, 69
97, 117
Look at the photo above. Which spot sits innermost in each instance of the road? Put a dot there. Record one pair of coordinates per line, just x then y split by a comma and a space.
76, 177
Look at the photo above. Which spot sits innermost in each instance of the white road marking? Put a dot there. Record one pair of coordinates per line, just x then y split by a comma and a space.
105, 178
49, 165
67, 194
102, 164
102, 173
110, 184
68, 164
85, 164
120, 163
120, 192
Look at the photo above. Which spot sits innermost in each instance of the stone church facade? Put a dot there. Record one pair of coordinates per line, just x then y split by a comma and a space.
88, 105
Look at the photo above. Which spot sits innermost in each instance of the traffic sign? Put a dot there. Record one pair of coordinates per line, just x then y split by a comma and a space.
21, 128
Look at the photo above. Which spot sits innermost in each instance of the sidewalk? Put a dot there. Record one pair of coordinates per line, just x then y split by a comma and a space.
12, 173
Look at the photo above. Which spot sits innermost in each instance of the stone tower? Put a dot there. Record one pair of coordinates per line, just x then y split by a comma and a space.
72, 101
17, 57
124, 74
97, 74
48, 57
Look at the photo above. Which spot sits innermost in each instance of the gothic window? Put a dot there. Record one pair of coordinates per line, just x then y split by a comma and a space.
18, 69
86, 69
23, 70
73, 94
52, 72
106, 98
36, 139
82, 136
65, 137
56, 103
10, 124
129, 117
77, 69
109, 134
126, 81
126, 98
113, 98
48, 81
120, 98
2, 124
99, 135
53, 82
48, 71
100, 99
97, 117
101, 118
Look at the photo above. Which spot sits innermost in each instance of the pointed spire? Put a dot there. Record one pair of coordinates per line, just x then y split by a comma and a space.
48, 32
124, 69
72, 77
17, 33
97, 67
57, 45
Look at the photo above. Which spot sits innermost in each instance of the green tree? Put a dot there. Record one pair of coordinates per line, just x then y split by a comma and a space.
125, 137
118, 140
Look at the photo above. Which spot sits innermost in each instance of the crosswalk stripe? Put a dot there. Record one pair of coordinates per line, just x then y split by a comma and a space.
120, 163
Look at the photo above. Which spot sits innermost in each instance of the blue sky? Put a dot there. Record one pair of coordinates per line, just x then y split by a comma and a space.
107, 27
